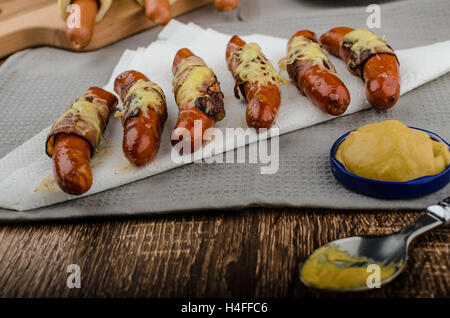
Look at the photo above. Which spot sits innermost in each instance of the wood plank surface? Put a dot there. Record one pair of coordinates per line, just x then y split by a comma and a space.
254, 252
25, 23
12, 8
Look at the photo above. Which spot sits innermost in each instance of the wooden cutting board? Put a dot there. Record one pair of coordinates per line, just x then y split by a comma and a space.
29, 23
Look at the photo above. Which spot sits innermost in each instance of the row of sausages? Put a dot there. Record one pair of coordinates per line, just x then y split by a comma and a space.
74, 136
89, 12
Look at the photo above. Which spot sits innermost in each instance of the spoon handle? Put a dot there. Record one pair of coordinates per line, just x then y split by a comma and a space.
436, 215
441, 210
423, 224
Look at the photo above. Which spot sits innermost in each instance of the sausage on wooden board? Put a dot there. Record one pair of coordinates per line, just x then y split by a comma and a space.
226, 5
158, 11
81, 36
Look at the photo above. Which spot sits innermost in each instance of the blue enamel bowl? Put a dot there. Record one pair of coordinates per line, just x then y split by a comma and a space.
387, 189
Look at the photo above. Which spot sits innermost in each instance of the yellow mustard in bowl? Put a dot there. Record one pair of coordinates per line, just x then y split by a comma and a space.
321, 270
391, 151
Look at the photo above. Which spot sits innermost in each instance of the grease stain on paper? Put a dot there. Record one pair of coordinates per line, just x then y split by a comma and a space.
47, 184
123, 169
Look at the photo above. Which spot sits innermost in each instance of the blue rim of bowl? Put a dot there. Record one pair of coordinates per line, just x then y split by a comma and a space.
420, 180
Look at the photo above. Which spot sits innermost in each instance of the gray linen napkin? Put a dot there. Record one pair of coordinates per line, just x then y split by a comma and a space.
36, 84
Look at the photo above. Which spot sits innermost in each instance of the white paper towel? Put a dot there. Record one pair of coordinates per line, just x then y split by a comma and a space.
26, 179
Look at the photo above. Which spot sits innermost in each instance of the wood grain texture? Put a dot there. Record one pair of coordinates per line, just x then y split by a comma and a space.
25, 23
254, 252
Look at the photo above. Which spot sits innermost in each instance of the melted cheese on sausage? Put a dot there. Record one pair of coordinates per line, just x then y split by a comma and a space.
189, 61
88, 111
304, 49
188, 92
146, 94
254, 67
363, 39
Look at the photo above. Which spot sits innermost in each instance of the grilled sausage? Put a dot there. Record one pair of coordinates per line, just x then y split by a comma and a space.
74, 137
198, 96
143, 117
257, 81
81, 36
71, 164
314, 74
158, 11
226, 5
332, 39
367, 56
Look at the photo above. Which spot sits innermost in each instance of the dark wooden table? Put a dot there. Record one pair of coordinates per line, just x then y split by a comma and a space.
253, 252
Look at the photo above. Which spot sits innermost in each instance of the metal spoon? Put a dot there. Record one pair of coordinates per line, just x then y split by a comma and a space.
392, 248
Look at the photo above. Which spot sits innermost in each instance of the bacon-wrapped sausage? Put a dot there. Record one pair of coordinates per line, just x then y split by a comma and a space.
157, 10
84, 12
257, 81
143, 116
367, 55
197, 94
314, 74
226, 5
74, 137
